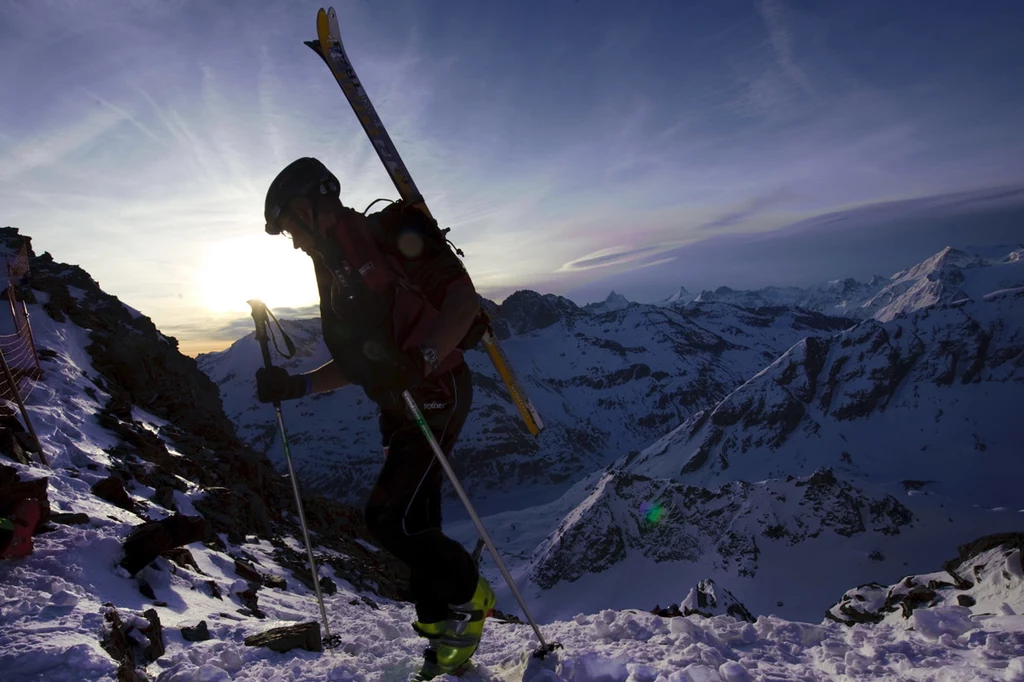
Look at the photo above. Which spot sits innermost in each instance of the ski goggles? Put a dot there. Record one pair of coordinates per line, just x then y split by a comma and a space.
285, 220
281, 222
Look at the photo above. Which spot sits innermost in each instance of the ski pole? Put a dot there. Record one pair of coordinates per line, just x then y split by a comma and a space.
545, 647
259, 316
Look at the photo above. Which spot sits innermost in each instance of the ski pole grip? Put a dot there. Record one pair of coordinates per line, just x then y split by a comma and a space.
259, 316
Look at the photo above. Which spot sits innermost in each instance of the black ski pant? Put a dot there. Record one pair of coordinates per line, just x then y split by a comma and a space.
404, 509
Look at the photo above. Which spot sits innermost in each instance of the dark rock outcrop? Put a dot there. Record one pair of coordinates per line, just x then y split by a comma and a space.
151, 539
119, 640
303, 636
182, 557
249, 598
246, 571
112, 490
235, 512
70, 519
197, 633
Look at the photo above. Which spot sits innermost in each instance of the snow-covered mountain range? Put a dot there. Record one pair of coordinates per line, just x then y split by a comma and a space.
136, 440
606, 383
931, 395
943, 278
911, 391
903, 433
611, 378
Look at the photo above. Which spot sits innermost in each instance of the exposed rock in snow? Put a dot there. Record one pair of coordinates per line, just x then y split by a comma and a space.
986, 579
708, 599
302, 636
661, 520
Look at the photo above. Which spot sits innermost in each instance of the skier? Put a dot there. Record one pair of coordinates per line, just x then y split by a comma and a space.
397, 307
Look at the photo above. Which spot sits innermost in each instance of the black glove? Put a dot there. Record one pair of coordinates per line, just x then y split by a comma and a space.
274, 384
401, 372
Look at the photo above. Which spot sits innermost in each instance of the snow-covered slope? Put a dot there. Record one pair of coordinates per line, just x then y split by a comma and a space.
134, 436
605, 384
986, 579
914, 418
54, 621
661, 520
932, 396
57, 603
764, 540
61, 605
947, 277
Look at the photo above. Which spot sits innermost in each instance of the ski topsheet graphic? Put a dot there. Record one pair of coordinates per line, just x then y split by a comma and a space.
331, 50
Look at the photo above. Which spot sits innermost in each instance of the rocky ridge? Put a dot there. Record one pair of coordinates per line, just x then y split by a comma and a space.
168, 433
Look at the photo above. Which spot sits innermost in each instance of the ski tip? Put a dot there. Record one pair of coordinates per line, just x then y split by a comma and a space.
332, 23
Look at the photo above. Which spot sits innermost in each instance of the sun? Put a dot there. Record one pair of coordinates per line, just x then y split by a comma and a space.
255, 266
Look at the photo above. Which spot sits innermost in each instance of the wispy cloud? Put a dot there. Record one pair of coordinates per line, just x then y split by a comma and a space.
122, 114
749, 209
49, 147
610, 257
772, 12
561, 151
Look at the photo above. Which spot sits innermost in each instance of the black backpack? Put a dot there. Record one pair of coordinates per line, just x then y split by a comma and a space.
396, 215
360, 304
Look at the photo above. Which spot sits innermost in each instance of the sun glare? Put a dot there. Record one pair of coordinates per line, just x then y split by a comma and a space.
256, 266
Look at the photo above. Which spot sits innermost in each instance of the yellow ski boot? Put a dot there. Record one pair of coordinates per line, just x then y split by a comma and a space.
463, 629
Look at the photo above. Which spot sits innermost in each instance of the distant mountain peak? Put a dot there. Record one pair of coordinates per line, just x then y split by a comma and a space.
681, 297
948, 258
614, 301
526, 311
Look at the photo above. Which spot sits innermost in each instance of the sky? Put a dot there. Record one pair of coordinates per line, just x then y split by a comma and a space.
572, 145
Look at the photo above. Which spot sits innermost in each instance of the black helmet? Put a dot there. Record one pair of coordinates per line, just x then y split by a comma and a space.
302, 177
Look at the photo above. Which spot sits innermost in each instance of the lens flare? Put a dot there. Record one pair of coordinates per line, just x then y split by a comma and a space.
652, 511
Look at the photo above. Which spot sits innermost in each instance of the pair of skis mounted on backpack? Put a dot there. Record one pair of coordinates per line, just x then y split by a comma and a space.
330, 49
